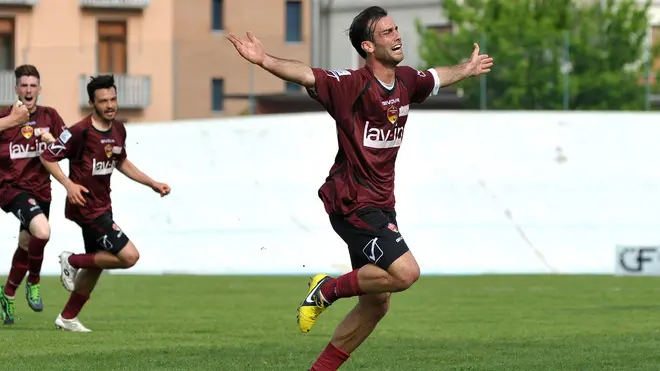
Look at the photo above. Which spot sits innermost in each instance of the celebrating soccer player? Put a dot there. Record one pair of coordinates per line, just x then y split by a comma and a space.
370, 106
94, 147
25, 189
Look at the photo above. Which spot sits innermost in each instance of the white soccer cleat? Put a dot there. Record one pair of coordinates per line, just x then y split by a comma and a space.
72, 324
68, 275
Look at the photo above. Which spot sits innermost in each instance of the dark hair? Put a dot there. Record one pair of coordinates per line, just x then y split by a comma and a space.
98, 83
26, 70
363, 26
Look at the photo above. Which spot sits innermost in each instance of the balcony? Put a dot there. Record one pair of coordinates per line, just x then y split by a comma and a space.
133, 92
19, 2
113, 4
7, 84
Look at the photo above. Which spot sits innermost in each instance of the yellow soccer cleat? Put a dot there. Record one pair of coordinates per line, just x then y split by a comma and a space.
313, 305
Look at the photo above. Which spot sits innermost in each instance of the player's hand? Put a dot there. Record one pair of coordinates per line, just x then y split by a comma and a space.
47, 137
161, 188
19, 113
75, 194
250, 49
478, 64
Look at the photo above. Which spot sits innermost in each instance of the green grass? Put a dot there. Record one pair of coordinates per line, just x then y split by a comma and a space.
530, 323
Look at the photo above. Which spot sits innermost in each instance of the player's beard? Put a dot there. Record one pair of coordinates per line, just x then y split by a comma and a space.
100, 114
386, 56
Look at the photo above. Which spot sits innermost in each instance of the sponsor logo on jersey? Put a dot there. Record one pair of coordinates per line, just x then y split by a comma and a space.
375, 137
27, 150
403, 110
390, 102
103, 167
40, 131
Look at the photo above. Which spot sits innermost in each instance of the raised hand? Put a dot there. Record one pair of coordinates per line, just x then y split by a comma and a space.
478, 64
250, 49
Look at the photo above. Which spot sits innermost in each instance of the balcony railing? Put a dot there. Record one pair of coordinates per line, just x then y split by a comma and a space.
115, 4
19, 2
7, 84
133, 92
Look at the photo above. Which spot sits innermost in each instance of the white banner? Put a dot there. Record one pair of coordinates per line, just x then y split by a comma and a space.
496, 192
637, 260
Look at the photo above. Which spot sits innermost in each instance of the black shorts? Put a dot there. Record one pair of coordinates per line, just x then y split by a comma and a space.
372, 236
25, 207
103, 234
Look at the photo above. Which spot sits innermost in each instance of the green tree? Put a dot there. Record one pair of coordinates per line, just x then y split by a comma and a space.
530, 41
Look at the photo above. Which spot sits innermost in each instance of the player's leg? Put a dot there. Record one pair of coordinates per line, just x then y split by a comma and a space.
392, 267
32, 216
19, 268
38, 235
373, 237
115, 251
106, 247
85, 283
352, 331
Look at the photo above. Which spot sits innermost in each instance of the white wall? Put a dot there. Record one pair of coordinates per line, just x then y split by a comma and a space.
477, 193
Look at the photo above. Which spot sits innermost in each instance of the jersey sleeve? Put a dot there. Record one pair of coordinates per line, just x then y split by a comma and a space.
68, 144
57, 125
335, 89
121, 156
421, 84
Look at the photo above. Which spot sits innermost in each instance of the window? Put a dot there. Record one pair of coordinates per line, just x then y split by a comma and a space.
6, 44
292, 87
293, 21
217, 23
218, 95
112, 56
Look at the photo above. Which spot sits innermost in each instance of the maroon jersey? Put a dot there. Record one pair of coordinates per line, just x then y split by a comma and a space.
370, 119
20, 148
92, 155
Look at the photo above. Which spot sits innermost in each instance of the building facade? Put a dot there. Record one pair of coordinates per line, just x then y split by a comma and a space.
170, 57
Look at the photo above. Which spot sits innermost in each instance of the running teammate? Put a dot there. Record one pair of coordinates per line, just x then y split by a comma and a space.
25, 189
370, 106
94, 147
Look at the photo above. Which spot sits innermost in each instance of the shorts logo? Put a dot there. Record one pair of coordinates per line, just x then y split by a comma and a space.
32, 202
105, 243
393, 228
27, 131
372, 251
117, 229
108, 150
392, 114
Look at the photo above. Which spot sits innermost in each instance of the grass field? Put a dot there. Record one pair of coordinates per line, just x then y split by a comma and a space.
530, 323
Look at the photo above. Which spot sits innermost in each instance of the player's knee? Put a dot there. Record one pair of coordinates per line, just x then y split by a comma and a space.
404, 272
39, 228
129, 255
131, 259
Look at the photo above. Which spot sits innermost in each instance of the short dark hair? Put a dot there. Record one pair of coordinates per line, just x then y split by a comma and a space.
363, 26
98, 83
26, 70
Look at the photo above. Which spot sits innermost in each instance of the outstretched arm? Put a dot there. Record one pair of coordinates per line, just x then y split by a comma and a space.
252, 50
132, 172
477, 64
